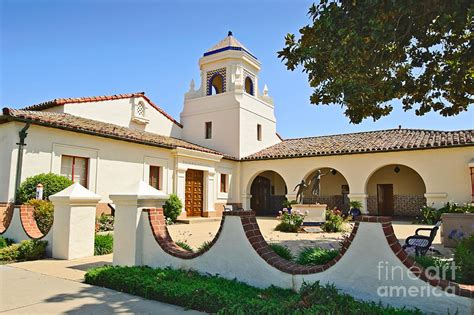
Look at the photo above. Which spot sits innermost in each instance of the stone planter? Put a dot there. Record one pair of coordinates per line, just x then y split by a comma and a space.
316, 213
454, 223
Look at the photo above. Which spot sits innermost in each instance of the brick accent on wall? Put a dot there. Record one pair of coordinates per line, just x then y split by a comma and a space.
163, 238
6, 215
404, 205
28, 222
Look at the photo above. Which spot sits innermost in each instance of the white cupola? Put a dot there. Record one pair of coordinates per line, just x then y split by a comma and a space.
228, 112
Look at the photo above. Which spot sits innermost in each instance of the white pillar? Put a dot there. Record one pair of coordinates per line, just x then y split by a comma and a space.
127, 227
74, 222
246, 201
210, 193
362, 197
180, 189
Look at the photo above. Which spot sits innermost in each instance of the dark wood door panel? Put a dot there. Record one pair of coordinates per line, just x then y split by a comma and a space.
194, 192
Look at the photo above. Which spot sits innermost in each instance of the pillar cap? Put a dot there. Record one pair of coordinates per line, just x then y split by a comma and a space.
139, 191
76, 193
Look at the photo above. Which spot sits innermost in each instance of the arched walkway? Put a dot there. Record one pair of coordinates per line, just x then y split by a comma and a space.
268, 191
334, 189
395, 190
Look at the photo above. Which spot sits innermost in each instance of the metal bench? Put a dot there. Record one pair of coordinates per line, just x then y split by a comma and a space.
422, 243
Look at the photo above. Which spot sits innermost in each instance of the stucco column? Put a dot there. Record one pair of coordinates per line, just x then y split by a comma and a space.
180, 189
210, 193
436, 199
74, 222
362, 197
127, 227
246, 201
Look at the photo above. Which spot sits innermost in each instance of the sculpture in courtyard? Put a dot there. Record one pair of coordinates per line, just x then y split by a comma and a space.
316, 182
301, 187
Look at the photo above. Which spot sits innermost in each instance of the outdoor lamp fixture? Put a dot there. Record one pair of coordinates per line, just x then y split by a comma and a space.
396, 169
333, 172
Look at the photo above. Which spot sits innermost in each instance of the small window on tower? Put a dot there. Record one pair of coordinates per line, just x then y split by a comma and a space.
259, 132
209, 130
248, 85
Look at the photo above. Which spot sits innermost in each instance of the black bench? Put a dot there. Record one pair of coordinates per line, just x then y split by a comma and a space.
422, 243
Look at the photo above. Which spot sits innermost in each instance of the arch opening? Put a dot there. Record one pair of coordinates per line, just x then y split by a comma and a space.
248, 85
216, 84
334, 189
268, 190
395, 190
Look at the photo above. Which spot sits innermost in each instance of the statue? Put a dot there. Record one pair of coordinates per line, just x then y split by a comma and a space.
316, 182
301, 187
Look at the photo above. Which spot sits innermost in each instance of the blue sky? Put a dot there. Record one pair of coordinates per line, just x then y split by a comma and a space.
53, 49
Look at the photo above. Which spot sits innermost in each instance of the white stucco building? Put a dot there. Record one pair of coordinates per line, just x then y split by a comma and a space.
225, 149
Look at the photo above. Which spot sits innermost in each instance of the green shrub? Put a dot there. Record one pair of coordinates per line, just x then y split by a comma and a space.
290, 221
212, 294
103, 244
430, 215
25, 250
184, 246
43, 214
334, 221
4, 242
172, 207
52, 184
464, 259
286, 227
32, 249
204, 246
282, 251
441, 268
10, 253
105, 223
316, 256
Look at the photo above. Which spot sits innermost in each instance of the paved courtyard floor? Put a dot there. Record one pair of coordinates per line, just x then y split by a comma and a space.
27, 292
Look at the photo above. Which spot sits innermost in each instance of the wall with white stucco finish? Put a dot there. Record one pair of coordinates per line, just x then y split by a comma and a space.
356, 273
120, 112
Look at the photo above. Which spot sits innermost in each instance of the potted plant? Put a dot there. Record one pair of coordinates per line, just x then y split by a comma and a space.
355, 208
458, 223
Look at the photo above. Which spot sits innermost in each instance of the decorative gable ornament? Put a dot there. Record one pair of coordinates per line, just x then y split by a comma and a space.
139, 113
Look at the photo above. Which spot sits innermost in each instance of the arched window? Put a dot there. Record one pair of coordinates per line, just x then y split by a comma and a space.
216, 84
249, 85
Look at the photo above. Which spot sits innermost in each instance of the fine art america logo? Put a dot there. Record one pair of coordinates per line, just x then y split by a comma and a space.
397, 282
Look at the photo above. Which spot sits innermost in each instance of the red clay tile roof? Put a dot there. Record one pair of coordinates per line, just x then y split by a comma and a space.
62, 101
366, 142
101, 129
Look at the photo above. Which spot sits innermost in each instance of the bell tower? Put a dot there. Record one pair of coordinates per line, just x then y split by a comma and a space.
228, 112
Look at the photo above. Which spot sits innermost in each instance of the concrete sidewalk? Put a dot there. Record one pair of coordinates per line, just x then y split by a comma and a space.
27, 292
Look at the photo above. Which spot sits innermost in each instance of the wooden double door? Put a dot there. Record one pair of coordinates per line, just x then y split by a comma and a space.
194, 188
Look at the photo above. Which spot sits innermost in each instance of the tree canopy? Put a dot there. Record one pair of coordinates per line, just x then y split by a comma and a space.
364, 54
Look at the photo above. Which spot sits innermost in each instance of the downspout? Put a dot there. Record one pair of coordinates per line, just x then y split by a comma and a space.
19, 163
